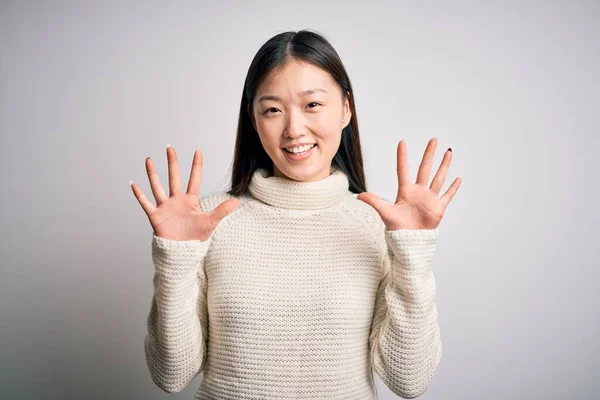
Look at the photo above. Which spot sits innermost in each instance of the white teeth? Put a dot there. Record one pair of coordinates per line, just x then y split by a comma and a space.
300, 149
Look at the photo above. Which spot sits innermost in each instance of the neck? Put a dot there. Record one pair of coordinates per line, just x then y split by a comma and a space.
286, 193
322, 174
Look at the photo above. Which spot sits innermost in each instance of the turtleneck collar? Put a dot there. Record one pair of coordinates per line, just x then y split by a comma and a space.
289, 194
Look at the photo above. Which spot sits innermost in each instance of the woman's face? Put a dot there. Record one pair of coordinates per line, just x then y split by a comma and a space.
300, 104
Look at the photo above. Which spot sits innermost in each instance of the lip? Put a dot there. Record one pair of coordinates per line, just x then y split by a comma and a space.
299, 157
297, 145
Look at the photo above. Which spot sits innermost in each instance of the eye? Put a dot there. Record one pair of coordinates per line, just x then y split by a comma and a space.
318, 104
269, 109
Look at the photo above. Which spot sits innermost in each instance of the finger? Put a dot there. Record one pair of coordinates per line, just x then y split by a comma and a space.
402, 165
146, 204
174, 177
195, 174
155, 186
426, 162
440, 176
374, 201
447, 197
224, 209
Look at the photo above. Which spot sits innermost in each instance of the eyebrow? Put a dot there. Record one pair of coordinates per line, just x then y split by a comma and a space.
304, 93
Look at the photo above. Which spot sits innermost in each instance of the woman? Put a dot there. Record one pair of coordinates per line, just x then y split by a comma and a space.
296, 283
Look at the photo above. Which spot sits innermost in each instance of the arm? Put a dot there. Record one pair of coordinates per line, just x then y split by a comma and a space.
405, 342
175, 345
177, 341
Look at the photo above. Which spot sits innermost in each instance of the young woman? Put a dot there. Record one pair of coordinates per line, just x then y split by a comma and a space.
296, 283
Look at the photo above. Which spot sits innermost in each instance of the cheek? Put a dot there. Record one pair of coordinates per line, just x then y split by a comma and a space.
269, 138
331, 143
325, 120
324, 127
330, 126
328, 130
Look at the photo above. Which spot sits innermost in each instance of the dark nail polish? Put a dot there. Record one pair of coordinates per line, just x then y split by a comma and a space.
449, 148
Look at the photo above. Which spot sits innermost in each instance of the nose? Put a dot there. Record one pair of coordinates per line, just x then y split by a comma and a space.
295, 125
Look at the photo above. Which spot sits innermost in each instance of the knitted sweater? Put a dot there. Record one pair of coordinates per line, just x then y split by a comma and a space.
300, 293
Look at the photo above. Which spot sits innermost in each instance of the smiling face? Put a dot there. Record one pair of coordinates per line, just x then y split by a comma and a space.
300, 104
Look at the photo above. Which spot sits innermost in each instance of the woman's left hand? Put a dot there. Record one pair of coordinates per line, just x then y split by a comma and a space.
416, 206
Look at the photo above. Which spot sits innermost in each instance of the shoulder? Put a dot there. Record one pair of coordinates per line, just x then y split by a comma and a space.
211, 201
368, 221
364, 214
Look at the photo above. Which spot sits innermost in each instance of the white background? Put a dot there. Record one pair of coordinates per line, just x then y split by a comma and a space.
89, 89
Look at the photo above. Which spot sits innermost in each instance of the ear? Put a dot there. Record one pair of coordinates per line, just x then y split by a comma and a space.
346, 112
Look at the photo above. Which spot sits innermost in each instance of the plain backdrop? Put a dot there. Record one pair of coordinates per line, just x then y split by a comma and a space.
88, 90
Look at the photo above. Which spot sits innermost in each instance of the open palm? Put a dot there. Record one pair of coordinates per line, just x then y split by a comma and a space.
417, 206
178, 216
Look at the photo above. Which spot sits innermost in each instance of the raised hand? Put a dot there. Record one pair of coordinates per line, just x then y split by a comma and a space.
416, 206
178, 217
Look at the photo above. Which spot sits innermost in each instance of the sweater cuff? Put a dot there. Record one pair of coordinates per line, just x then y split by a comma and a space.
177, 256
414, 249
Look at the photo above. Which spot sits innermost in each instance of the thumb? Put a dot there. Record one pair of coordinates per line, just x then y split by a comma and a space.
223, 210
373, 200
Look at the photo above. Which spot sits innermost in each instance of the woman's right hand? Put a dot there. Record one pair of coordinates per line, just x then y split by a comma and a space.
178, 217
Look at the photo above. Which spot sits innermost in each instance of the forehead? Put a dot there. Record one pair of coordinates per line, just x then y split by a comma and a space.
296, 76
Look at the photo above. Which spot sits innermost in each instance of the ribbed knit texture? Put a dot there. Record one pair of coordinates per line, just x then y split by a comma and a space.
300, 293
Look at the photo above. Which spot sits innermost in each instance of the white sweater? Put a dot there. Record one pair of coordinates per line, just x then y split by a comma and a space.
300, 293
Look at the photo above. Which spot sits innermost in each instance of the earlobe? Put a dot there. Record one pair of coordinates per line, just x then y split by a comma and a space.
346, 118
347, 113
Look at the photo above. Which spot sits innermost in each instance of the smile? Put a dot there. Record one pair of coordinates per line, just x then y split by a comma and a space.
303, 152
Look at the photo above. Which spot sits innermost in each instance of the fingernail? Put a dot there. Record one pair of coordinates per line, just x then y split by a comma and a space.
168, 144
449, 148
197, 147
130, 182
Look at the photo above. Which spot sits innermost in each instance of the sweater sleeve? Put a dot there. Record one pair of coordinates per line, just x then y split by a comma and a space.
405, 344
175, 345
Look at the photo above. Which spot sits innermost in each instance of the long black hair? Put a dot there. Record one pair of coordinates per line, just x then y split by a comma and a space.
307, 46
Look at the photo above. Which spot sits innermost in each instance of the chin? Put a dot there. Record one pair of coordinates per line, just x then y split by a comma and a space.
302, 173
